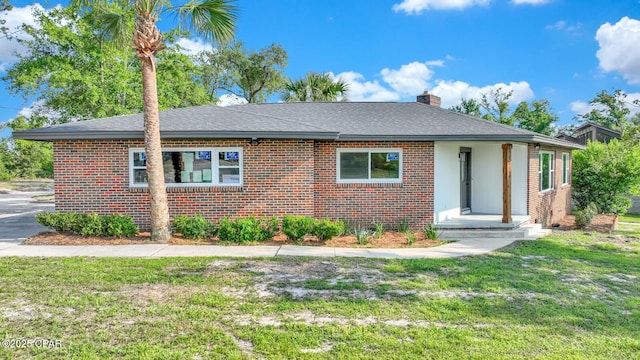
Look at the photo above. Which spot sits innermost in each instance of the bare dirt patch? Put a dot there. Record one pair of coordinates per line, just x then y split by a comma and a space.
389, 239
600, 223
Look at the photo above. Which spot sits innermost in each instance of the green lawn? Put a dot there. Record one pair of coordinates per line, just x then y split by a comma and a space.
571, 296
632, 218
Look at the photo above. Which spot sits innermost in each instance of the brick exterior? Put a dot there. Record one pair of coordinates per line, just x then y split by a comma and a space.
280, 177
93, 176
550, 206
389, 203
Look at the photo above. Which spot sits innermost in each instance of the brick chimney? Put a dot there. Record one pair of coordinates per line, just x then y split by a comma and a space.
429, 99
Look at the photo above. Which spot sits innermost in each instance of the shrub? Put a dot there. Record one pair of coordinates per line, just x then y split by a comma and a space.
362, 236
378, 228
89, 224
249, 229
119, 225
195, 227
411, 237
604, 173
61, 222
326, 229
296, 227
403, 226
432, 231
584, 216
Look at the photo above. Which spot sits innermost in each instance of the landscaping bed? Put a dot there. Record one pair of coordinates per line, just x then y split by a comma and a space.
600, 223
389, 239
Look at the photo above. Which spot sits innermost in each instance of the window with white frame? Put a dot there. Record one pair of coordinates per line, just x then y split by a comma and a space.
369, 166
191, 167
565, 168
546, 172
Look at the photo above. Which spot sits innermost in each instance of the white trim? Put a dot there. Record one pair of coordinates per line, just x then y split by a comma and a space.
552, 172
565, 169
369, 180
215, 166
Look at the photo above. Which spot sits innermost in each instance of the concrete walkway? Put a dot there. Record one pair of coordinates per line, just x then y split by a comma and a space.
464, 247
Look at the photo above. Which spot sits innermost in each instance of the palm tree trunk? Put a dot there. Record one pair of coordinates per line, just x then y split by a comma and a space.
160, 230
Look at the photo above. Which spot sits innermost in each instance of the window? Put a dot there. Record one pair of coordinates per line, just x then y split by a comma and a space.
565, 168
546, 172
190, 167
369, 166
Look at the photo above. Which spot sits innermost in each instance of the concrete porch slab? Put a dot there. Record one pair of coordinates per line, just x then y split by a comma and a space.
483, 221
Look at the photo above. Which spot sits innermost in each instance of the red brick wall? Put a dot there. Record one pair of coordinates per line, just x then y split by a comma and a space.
550, 206
93, 176
412, 200
280, 177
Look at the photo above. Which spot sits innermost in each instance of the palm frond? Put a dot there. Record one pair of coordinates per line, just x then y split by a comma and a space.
117, 27
212, 19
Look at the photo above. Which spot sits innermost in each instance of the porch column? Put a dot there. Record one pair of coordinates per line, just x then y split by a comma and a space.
506, 183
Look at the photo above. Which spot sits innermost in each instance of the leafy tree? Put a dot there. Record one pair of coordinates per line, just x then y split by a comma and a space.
569, 129
469, 107
73, 70
496, 106
603, 173
214, 19
25, 159
316, 87
252, 75
536, 117
610, 110
4, 6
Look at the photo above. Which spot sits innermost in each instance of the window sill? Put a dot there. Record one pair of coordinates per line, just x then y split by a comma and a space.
545, 192
368, 185
191, 189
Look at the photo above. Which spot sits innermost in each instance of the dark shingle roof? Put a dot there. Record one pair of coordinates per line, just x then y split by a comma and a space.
312, 120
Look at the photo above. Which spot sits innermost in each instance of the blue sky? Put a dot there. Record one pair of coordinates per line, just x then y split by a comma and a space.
564, 51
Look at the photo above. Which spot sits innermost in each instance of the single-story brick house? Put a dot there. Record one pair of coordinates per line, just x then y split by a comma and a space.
359, 161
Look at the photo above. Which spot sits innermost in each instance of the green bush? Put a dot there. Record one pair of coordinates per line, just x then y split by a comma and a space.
432, 231
249, 229
89, 224
584, 216
119, 225
325, 229
61, 222
195, 227
296, 227
604, 173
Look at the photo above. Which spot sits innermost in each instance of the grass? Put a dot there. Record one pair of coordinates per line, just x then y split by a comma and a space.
568, 296
631, 218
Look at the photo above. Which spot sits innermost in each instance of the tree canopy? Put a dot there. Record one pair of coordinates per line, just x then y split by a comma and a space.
71, 67
536, 116
254, 76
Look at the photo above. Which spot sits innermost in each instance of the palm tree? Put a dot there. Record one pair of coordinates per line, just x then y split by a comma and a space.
213, 19
316, 87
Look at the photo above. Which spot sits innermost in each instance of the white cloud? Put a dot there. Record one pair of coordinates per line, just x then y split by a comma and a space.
451, 92
230, 100
412, 7
410, 79
530, 2
619, 50
564, 26
15, 18
362, 90
193, 46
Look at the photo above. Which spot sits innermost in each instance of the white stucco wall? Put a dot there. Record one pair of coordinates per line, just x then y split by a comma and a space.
486, 178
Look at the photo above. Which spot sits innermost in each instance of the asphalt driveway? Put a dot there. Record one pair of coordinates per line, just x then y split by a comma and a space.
17, 215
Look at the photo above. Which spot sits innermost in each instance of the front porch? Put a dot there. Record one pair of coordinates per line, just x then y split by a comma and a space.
477, 221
